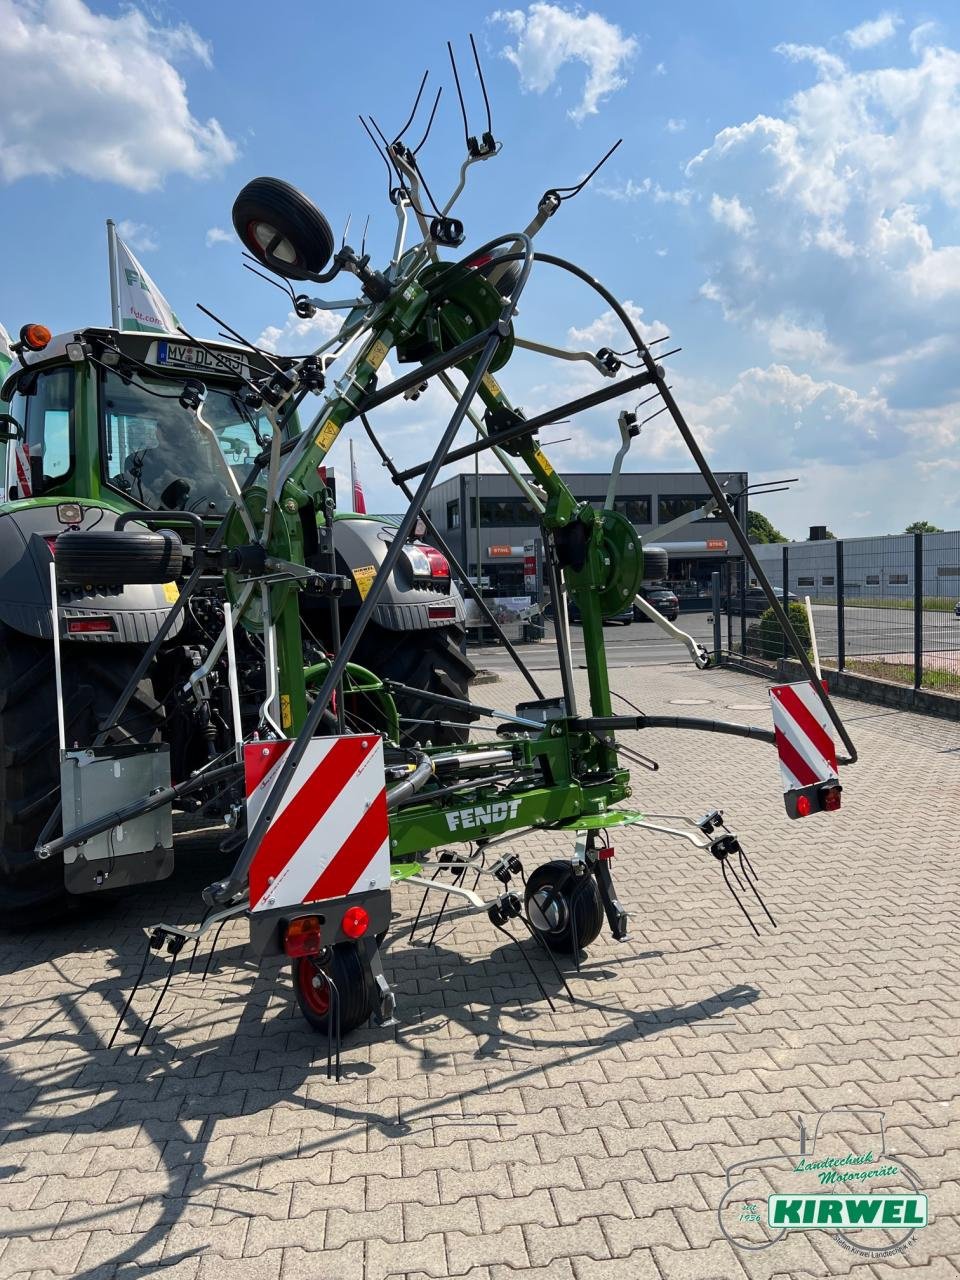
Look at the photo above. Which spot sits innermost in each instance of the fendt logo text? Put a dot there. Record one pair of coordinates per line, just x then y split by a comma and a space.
482, 815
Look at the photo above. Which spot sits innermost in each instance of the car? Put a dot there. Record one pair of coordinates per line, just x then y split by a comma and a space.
755, 601
662, 599
623, 618
956, 610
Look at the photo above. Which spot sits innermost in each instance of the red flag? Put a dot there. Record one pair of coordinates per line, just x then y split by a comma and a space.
359, 506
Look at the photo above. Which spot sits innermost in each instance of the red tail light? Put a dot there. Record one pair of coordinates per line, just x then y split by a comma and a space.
803, 806
439, 566
88, 626
441, 611
355, 922
302, 937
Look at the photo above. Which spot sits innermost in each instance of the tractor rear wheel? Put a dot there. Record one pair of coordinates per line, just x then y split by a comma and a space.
94, 675
427, 660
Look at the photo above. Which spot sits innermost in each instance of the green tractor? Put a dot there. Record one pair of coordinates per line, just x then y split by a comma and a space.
100, 429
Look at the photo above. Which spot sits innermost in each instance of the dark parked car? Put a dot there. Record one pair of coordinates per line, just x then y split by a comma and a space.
756, 601
662, 599
624, 617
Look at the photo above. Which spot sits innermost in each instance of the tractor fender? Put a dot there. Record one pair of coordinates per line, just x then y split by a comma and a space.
136, 611
406, 604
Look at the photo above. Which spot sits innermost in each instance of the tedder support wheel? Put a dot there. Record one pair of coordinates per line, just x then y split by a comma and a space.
427, 660
283, 228
554, 896
345, 967
119, 555
94, 676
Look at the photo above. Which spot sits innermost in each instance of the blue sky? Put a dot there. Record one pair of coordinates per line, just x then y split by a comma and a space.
785, 204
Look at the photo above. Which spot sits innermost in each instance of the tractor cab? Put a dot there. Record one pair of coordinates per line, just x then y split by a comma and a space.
107, 416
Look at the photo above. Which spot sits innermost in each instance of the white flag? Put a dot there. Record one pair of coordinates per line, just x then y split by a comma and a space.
142, 305
6, 355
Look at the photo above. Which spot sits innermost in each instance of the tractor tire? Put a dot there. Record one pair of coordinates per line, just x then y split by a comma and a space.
125, 555
656, 564
313, 991
427, 660
552, 895
32, 890
269, 205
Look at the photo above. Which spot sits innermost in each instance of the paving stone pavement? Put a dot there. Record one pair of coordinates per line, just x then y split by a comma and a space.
489, 1135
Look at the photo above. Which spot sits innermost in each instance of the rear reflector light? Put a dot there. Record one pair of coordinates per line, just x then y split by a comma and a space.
302, 937
606, 853
355, 921
803, 806
441, 611
88, 626
830, 796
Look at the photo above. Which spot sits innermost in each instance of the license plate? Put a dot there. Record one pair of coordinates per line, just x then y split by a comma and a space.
181, 355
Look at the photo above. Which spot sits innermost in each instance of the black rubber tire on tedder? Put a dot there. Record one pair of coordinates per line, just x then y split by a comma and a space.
656, 564
124, 555
32, 890
345, 967
269, 204
552, 895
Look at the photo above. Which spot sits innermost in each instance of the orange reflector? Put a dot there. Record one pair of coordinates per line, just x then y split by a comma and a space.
302, 937
35, 336
355, 921
830, 797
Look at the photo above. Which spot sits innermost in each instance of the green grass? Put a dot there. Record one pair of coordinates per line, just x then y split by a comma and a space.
935, 604
902, 673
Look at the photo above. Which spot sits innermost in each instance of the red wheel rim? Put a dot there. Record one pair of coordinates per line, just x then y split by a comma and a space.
316, 998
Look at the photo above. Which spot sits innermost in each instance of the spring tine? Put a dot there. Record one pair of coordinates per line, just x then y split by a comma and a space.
526, 960
213, 947
727, 867
456, 81
436, 923
156, 1007
756, 892
483, 87
538, 937
133, 991
423, 903
736, 897
416, 103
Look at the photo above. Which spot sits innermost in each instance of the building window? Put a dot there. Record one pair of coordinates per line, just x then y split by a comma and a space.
826, 582
672, 505
806, 582
898, 579
499, 513
948, 571
453, 514
873, 579
636, 509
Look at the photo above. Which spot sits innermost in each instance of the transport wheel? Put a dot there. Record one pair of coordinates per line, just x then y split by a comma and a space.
31, 889
345, 967
553, 894
119, 555
427, 660
283, 228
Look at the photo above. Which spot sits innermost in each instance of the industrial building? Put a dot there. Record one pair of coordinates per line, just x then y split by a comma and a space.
493, 530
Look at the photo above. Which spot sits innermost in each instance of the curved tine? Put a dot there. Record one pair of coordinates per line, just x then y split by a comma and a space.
129, 999
463, 109
376, 144
196, 943
363, 238
436, 103
538, 937
575, 190
334, 1037
723, 863
483, 87
416, 103
527, 961
736, 898
423, 901
213, 947
238, 336
286, 287
436, 923
755, 890
156, 1007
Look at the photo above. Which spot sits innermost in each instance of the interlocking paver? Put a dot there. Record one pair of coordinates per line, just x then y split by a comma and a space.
491, 1137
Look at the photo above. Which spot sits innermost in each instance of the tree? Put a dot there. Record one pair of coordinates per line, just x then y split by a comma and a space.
759, 529
922, 526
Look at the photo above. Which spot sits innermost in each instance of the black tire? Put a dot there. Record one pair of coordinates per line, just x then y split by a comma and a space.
427, 660
656, 564
346, 969
124, 556
94, 675
549, 893
268, 205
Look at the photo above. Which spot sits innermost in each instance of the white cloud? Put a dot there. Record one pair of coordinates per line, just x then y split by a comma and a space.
676, 126
631, 190
217, 235
826, 63
924, 34
660, 69
298, 337
96, 95
548, 37
873, 32
607, 330
730, 213
137, 235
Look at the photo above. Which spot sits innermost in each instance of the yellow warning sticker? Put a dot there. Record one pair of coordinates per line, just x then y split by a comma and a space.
170, 592
492, 385
328, 434
543, 463
363, 577
377, 354
286, 715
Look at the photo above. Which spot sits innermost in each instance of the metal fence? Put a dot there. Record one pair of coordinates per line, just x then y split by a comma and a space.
883, 607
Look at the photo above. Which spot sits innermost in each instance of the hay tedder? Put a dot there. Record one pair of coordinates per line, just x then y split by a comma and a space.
334, 805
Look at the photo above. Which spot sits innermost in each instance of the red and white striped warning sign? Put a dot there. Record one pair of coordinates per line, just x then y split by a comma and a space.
801, 724
21, 457
330, 836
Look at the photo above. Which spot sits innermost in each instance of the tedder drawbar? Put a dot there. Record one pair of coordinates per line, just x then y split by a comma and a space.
331, 811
